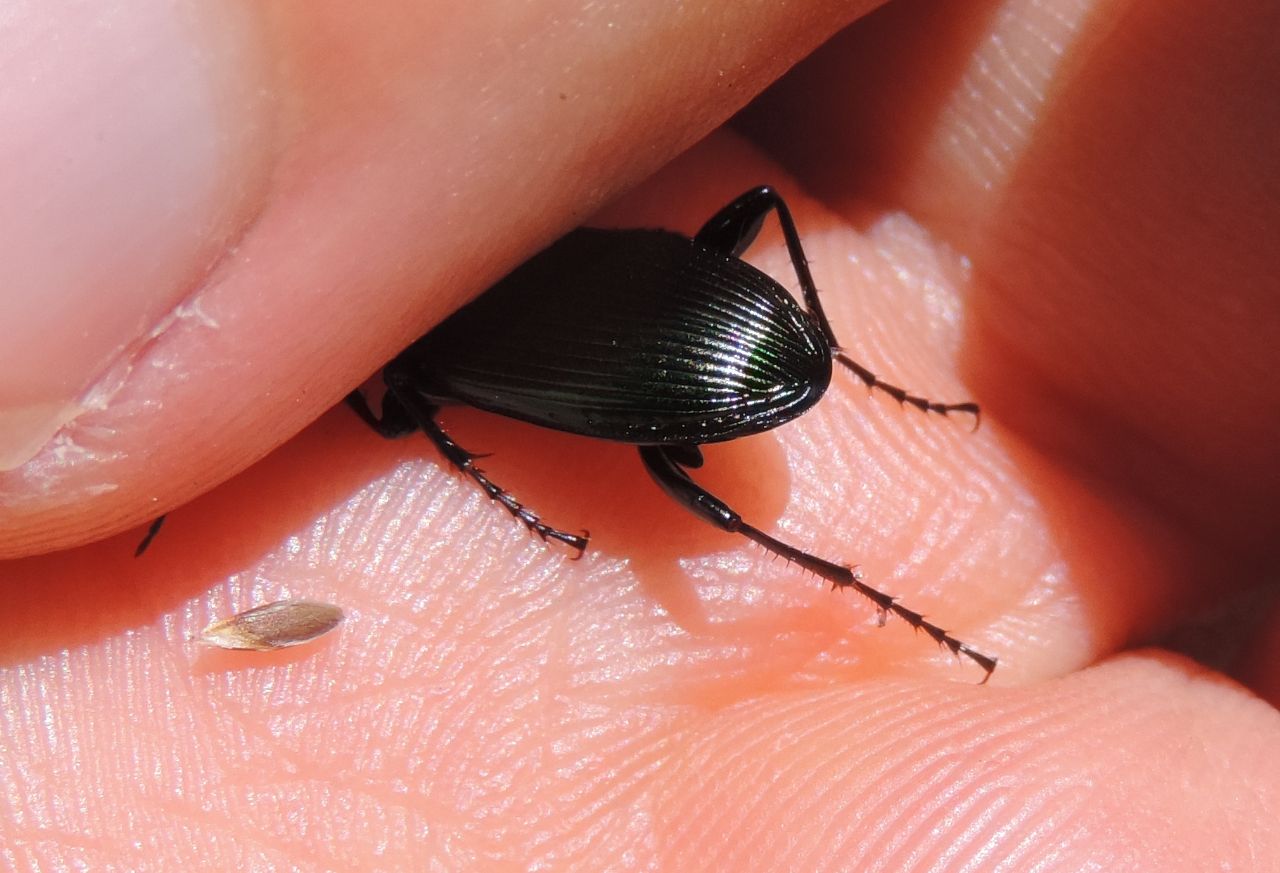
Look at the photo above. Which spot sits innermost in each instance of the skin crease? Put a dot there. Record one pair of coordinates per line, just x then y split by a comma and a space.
1032, 206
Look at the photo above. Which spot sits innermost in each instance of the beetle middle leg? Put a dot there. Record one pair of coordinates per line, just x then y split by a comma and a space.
666, 465
156, 524
734, 228
404, 410
395, 421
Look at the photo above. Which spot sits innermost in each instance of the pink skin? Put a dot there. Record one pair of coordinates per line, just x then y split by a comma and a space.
1065, 211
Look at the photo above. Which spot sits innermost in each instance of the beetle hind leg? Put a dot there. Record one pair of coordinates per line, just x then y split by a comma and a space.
667, 471
422, 415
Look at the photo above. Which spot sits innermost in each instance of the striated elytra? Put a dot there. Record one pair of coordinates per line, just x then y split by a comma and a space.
650, 338
638, 336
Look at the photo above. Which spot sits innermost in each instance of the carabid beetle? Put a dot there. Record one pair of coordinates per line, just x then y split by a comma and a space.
650, 338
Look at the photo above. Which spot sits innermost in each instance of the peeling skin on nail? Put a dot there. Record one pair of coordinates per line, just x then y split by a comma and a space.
103, 488
55, 442
25, 420
64, 450
99, 396
193, 311
46, 472
186, 170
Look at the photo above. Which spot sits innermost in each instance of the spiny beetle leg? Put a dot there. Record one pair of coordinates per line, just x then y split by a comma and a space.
150, 535
402, 396
671, 477
871, 380
688, 457
732, 230
395, 422
735, 226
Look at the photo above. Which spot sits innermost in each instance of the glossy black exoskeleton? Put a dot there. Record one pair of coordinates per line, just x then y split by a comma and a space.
644, 337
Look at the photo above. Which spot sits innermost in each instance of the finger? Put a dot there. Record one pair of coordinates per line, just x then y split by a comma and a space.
367, 167
1142, 762
1103, 169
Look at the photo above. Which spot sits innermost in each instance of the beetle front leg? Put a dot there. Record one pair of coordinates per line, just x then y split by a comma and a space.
673, 479
423, 414
732, 230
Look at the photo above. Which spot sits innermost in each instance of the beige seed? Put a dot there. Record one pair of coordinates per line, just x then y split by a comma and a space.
274, 626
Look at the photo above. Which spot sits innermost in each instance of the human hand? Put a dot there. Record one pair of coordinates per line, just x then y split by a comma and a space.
676, 699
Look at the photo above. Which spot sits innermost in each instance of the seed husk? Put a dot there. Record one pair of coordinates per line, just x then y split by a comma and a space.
274, 626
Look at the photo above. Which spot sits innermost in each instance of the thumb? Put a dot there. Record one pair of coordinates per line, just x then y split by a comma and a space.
274, 170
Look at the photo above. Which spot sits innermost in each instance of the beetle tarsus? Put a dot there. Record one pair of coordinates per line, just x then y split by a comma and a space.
920, 623
518, 510
404, 410
874, 382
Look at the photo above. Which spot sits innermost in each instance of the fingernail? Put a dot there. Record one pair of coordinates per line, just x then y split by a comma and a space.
127, 134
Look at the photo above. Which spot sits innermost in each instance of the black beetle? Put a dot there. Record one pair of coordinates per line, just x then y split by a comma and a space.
644, 337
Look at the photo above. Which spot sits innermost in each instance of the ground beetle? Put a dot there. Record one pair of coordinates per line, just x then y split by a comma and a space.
644, 337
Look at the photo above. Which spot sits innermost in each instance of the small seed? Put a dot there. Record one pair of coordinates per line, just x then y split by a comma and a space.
273, 626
